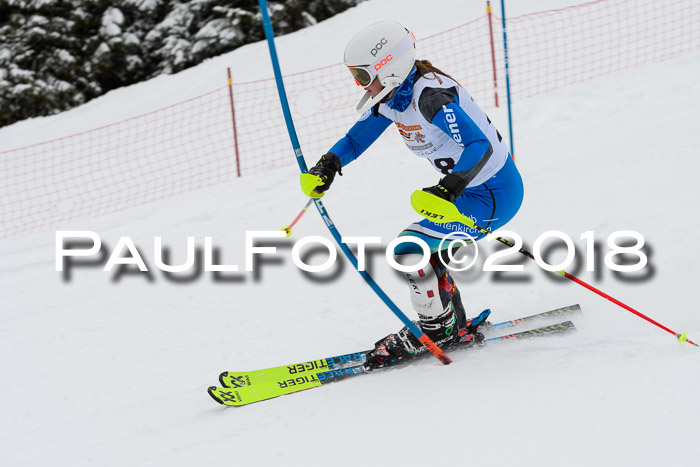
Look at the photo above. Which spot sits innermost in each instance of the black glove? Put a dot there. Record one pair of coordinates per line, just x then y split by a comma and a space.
449, 188
326, 168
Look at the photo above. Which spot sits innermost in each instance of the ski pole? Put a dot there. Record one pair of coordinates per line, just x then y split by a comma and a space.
415, 330
288, 228
440, 211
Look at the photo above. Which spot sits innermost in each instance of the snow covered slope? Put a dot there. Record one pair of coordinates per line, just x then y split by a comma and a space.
106, 369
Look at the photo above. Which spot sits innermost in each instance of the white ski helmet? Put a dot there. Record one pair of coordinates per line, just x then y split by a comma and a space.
385, 51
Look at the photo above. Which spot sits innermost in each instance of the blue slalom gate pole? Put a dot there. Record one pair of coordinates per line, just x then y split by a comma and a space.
420, 335
505, 59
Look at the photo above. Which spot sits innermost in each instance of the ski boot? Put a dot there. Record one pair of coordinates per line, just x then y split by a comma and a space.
445, 331
472, 332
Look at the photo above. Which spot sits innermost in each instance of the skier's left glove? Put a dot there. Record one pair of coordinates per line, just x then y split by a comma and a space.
449, 188
319, 178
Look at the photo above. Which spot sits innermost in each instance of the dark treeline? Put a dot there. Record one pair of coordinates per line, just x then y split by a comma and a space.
57, 54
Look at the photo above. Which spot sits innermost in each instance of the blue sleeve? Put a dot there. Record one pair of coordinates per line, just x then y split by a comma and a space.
360, 137
455, 122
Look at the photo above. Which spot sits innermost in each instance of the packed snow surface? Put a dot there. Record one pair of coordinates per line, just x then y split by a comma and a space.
112, 369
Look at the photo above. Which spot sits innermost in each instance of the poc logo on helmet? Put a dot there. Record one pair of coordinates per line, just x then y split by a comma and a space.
378, 47
384, 61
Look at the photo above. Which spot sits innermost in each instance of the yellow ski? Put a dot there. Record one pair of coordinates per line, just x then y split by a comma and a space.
233, 379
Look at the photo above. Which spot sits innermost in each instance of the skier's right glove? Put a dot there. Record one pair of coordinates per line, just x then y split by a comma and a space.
319, 178
449, 188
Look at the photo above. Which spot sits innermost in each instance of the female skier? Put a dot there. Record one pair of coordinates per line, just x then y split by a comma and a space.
440, 122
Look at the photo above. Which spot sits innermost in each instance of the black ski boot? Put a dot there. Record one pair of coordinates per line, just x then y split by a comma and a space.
472, 332
443, 330
433, 289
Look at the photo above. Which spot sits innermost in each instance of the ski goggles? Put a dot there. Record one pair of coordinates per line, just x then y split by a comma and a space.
365, 74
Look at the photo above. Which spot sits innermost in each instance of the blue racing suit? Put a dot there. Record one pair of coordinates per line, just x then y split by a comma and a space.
439, 121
